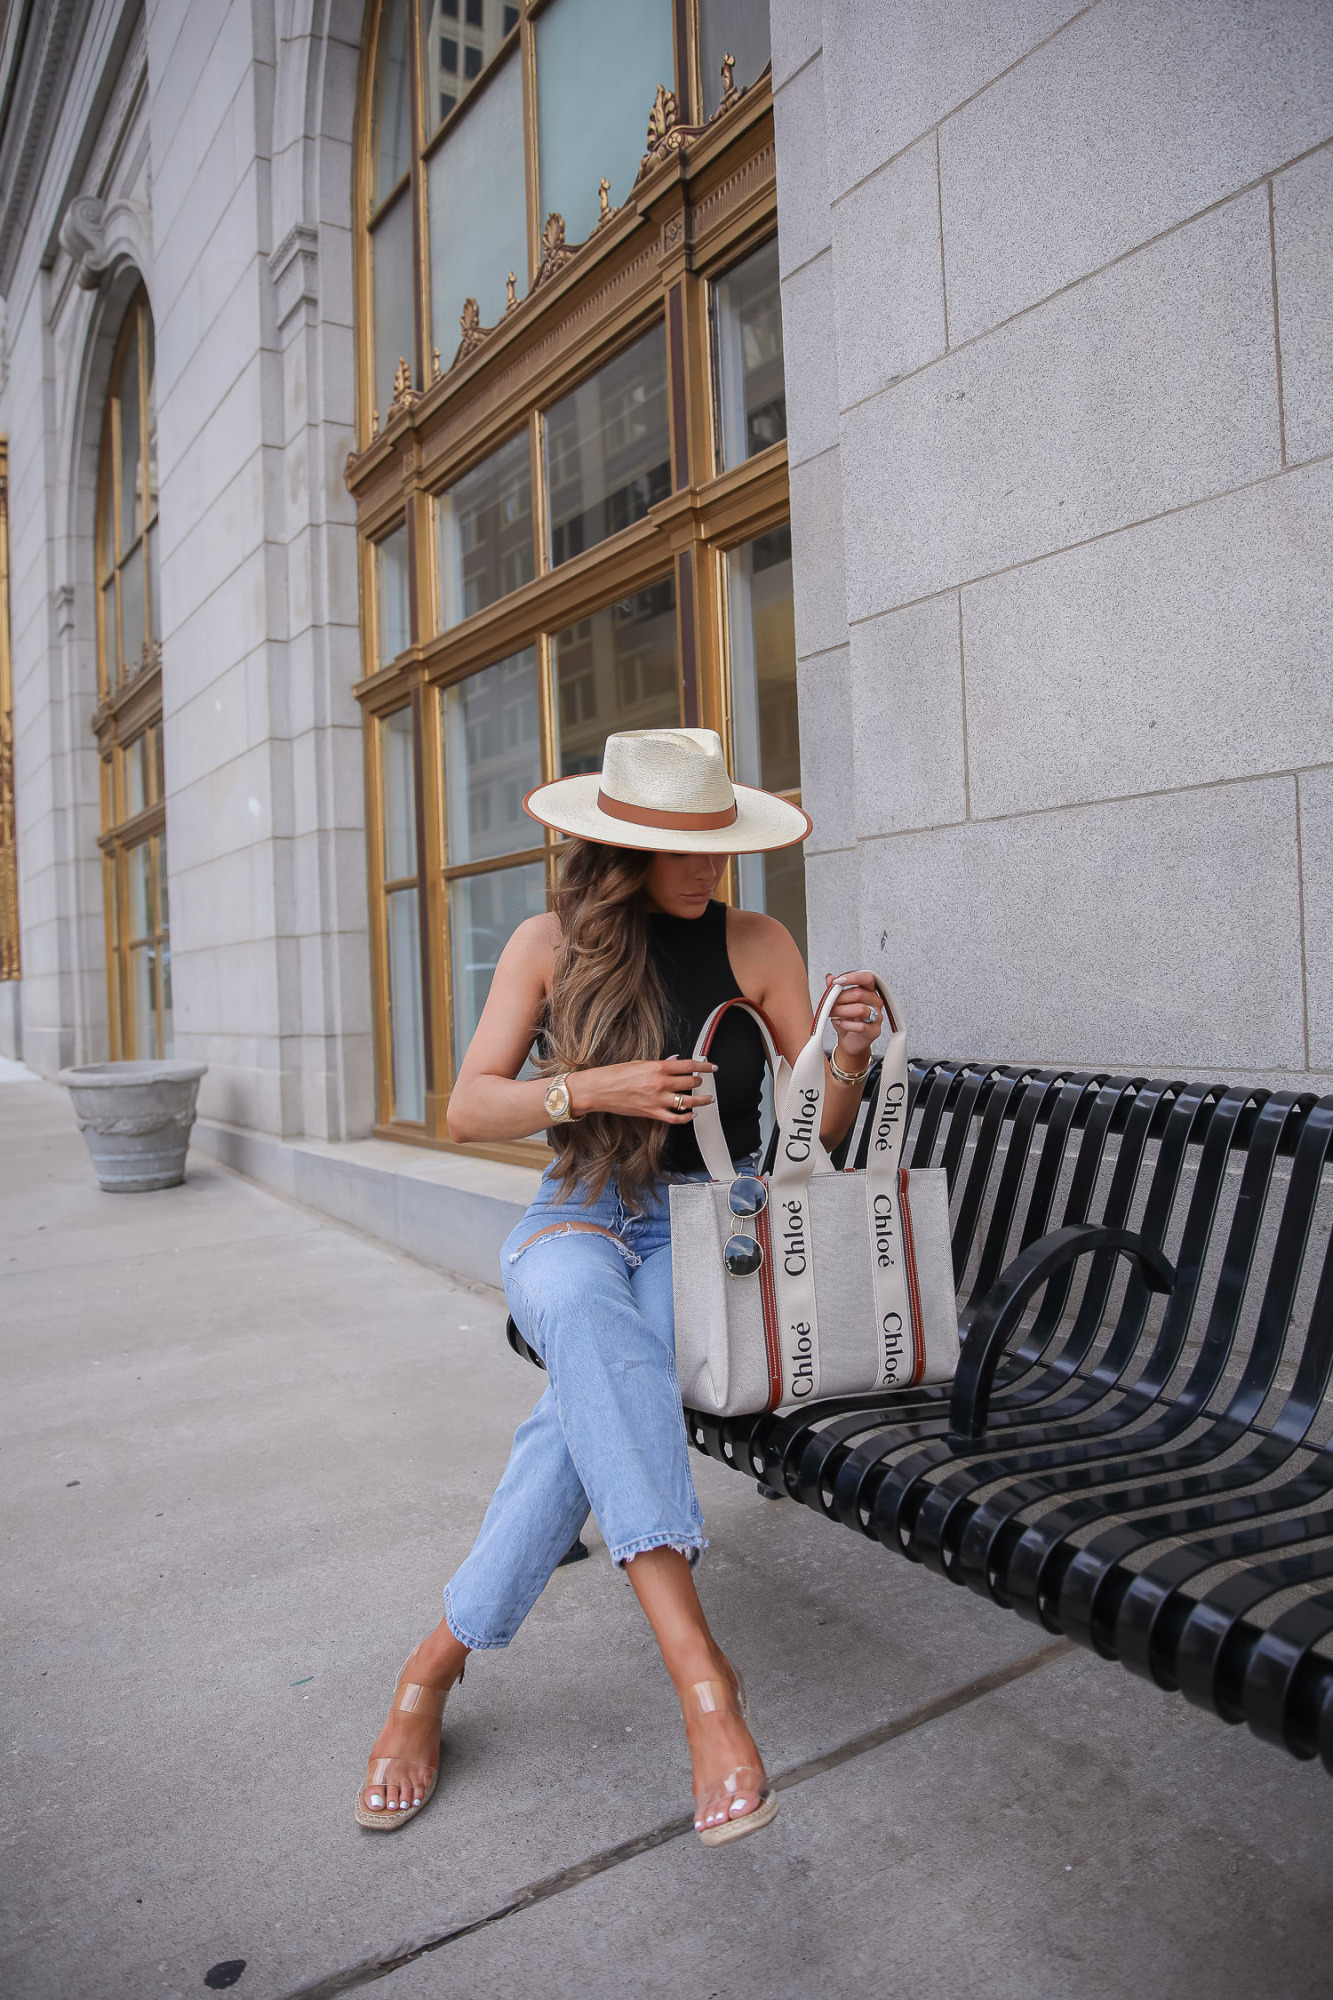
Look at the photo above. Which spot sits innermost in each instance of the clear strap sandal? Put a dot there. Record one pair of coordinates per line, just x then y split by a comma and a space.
409, 1698
739, 1803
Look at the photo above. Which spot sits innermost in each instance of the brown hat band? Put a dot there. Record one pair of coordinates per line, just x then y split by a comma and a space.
672, 822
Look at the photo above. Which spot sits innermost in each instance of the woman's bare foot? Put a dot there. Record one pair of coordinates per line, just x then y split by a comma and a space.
729, 1780
412, 1741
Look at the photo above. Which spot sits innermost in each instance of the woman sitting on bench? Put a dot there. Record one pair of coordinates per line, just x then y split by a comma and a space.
635, 957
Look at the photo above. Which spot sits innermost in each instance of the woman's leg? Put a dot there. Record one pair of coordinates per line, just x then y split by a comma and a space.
663, 1581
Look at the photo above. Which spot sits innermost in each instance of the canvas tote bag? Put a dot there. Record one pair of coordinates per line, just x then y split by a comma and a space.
856, 1288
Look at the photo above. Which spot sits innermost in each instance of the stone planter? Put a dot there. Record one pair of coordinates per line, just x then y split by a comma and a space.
136, 1118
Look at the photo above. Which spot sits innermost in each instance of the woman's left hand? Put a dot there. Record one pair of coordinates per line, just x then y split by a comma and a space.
858, 1016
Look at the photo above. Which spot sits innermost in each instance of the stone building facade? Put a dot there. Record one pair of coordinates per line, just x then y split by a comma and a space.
1056, 290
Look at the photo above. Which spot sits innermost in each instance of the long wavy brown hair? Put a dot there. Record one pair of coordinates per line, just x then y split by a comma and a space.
607, 1006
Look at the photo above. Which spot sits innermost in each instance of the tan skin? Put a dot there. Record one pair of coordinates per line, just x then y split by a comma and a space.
489, 1102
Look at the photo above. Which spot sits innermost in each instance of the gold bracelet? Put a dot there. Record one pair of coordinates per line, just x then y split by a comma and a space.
841, 1076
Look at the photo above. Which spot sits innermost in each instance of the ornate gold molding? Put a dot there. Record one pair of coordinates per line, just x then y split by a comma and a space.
556, 253
474, 333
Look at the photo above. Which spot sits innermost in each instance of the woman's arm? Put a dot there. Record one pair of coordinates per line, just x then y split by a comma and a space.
488, 1101
770, 970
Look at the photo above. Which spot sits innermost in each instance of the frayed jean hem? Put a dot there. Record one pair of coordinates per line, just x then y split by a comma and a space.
473, 1645
627, 1551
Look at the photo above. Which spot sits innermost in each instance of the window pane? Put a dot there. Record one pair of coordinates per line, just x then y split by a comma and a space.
478, 217
484, 532
616, 670
106, 550
398, 777
456, 52
136, 776
492, 760
143, 1014
160, 847
393, 122
391, 271
484, 913
150, 469
127, 394
409, 1076
131, 610
164, 980
110, 650
747, 321
392, 590
154, 587
608, 451
139, 870
737, 28
765, 737
599, 63
161, 791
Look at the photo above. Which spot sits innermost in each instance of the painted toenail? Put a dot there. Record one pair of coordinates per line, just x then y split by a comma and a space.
375, 1799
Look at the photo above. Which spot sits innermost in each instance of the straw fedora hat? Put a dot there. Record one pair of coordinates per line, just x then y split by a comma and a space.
667, 789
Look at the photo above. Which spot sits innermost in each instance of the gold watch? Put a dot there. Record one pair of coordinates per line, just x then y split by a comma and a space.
558, 1107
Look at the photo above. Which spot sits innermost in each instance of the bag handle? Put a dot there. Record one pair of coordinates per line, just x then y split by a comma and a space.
707, 1118
899, 1328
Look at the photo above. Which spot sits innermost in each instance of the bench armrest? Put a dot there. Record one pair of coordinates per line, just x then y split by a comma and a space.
1005, 1303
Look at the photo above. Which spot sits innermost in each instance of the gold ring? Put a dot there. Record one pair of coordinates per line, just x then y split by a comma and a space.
679, 1101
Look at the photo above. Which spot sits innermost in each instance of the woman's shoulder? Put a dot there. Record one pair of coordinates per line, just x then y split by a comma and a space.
531, 949
534, 941
753, 931
764, 955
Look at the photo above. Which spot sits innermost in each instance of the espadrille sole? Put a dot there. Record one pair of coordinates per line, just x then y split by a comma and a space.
739, 1829
385, 1821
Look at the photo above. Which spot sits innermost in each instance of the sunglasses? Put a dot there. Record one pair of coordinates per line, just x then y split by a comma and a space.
743, 1254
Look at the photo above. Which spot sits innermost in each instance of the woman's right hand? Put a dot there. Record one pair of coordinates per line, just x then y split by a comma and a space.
667, 1091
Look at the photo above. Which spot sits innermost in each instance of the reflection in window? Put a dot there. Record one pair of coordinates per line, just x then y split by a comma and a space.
391, 282
402, 915
145, 949
599, 63
457, 41
484, 532
736, 28
478, 219
747, 334
608, 449
484, 912
391, 590
492, 760
615, 670
765, 741
392, 141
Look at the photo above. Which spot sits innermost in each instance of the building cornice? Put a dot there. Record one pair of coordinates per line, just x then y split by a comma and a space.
31, 88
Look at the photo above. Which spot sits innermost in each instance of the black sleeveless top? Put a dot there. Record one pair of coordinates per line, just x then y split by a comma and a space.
690, 954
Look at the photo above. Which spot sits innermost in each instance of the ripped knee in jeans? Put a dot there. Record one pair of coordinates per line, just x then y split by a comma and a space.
578, 1229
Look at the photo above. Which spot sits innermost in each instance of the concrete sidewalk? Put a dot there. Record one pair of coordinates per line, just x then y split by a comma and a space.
242, 1448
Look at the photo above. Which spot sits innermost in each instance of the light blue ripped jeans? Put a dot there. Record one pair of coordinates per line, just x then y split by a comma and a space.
609, 1431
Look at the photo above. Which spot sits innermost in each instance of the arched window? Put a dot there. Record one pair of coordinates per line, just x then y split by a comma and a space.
570, 475
129, 715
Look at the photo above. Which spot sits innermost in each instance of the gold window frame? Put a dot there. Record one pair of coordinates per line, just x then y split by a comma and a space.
705, 197
129, 710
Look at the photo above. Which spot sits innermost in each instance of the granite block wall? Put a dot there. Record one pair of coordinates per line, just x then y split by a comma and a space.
1061, 564
228, 131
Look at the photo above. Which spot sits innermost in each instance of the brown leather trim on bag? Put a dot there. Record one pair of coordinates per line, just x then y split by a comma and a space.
768, 1300
913, 1287
673, 822
751, 1007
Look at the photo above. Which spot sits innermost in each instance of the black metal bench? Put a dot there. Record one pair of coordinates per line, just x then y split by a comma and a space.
1135, 1451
